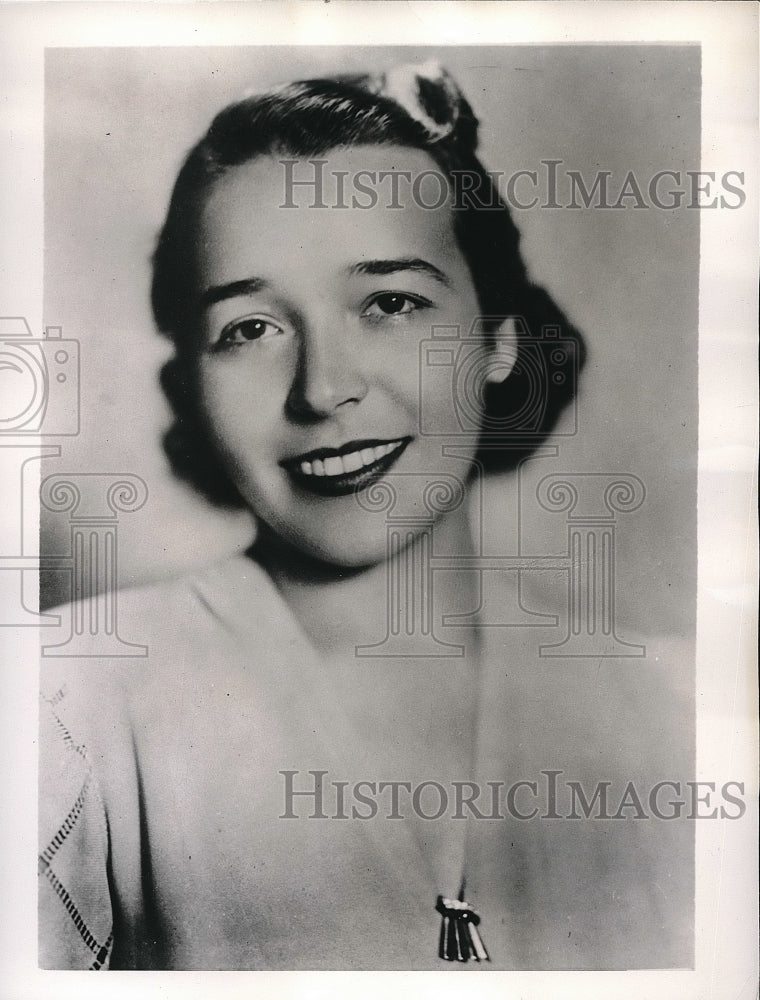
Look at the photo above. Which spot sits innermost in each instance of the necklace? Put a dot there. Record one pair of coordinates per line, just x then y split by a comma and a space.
459, 938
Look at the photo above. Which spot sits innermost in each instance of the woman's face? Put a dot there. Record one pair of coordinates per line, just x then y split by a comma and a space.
312, 324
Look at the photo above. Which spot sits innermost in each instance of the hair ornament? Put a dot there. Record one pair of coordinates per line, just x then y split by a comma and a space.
427, 92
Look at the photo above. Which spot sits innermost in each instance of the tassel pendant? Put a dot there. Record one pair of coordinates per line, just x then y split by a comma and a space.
459, 940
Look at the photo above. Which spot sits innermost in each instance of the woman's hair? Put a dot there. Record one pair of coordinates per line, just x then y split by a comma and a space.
419, 107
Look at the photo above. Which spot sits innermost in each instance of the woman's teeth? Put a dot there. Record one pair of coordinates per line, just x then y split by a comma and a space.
339, 465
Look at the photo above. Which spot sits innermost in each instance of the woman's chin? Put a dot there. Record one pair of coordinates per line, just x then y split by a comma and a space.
328, 553
345, 554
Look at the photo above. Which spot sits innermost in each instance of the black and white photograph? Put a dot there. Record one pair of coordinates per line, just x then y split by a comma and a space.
382, 495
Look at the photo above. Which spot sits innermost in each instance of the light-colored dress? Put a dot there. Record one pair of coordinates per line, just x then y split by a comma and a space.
172, 835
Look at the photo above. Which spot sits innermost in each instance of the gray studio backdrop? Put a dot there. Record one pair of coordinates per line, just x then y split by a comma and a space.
118, 122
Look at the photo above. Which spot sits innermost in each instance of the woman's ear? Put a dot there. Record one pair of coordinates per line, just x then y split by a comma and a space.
503, 353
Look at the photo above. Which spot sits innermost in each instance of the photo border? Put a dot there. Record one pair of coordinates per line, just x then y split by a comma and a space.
726, 917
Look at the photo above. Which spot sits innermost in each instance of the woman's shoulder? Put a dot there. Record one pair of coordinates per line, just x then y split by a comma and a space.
125, 624
628, 711
587, 662
205, 583
114, 656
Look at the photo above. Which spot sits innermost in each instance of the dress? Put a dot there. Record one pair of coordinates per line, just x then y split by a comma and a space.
173, 835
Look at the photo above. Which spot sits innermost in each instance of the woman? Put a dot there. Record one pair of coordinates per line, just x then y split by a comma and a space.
268, 790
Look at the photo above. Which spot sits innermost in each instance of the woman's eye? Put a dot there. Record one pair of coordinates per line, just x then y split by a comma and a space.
394, 304
243, 331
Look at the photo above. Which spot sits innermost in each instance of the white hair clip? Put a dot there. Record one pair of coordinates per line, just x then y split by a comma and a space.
435, 107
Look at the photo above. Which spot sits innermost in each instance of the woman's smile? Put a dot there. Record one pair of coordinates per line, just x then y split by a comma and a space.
340, 471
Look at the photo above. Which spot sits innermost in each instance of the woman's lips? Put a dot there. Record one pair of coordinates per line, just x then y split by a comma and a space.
338, 472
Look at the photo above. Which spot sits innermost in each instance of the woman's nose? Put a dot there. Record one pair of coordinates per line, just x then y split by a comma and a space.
328, 375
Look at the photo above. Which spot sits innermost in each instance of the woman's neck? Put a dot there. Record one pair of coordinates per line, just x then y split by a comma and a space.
340, 608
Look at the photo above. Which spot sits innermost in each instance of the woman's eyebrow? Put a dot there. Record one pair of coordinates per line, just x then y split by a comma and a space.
230, 290
383, 267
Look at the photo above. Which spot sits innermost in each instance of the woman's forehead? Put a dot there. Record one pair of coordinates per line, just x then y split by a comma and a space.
330, 178
362, 202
